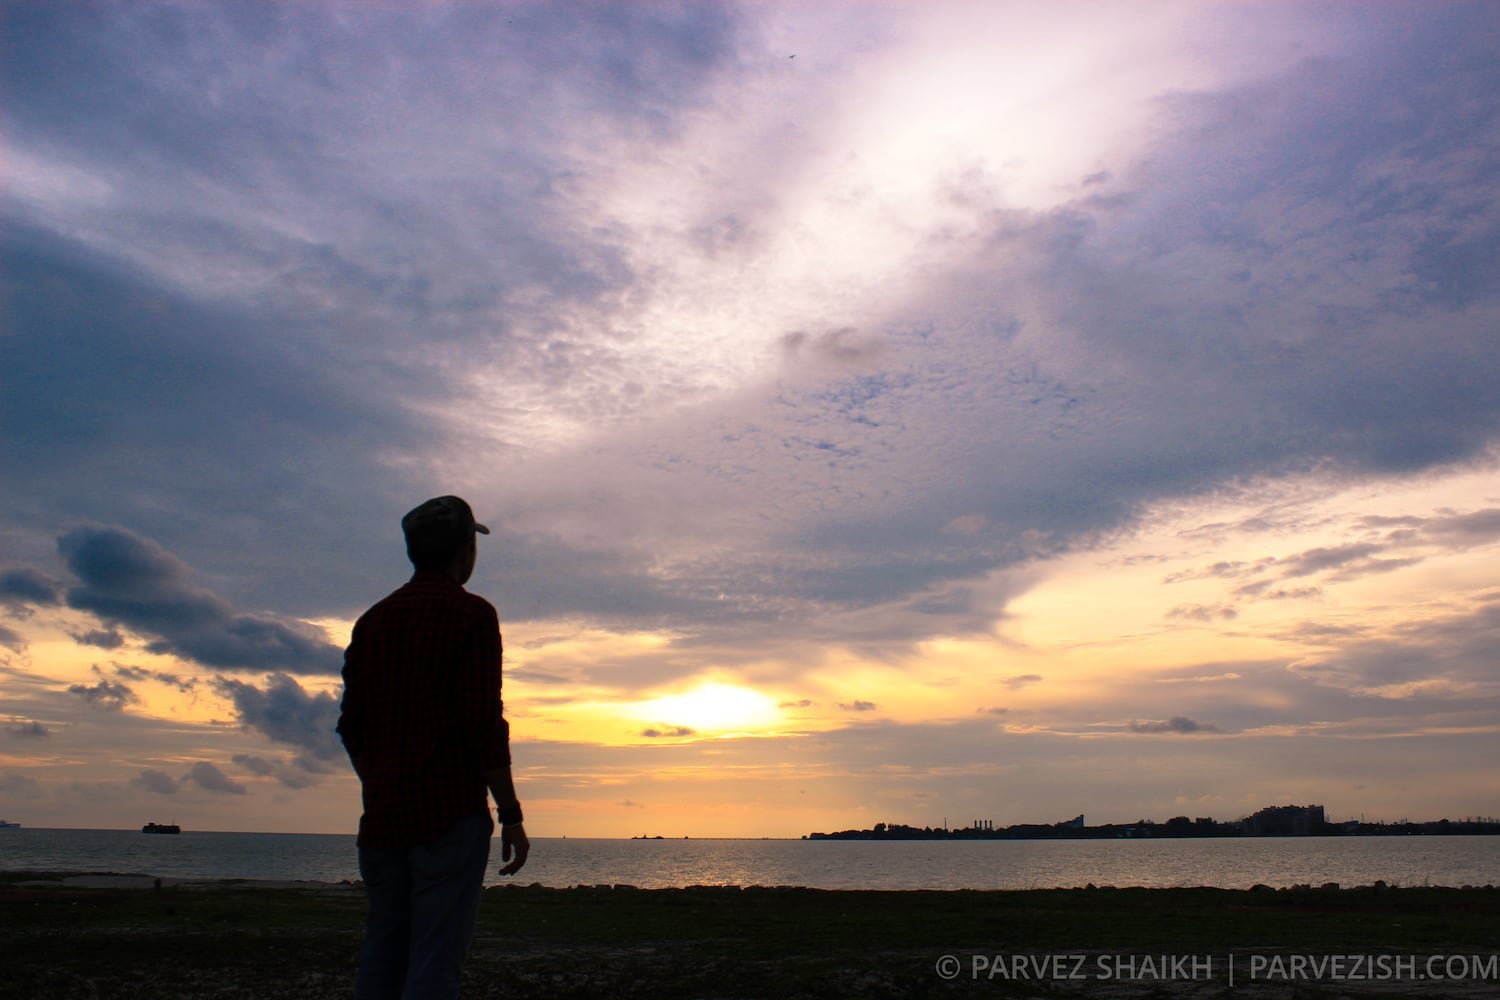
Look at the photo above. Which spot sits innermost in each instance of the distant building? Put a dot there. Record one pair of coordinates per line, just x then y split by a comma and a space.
1285, 821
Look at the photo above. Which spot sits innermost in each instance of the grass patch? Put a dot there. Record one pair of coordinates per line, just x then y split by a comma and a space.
224, 940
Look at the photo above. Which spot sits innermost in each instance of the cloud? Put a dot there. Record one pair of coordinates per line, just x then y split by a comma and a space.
183, 684
400, 275
253, 327
1480, 527
19, 786
255, 764
209, 778
102, 638
858, 706
296, 772
106, 694
1177, 724
1262, 590
845, 347
1446, 656
12, 639
32, 730
284, 712
156, 782
660, 731
1018, 681
1203, 613
131, 581
987, 387
27, 586
1227, 569
537, 676
1321, 559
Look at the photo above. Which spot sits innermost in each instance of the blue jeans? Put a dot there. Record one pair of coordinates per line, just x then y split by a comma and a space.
423, 904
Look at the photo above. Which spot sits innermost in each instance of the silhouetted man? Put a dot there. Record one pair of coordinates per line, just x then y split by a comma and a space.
424, 727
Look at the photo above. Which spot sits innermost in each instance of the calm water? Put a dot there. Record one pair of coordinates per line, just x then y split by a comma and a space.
1233, 863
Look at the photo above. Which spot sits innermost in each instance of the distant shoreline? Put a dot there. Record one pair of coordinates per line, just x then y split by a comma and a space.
1199, 830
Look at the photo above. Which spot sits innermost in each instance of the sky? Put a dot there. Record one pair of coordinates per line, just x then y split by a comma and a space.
884, 412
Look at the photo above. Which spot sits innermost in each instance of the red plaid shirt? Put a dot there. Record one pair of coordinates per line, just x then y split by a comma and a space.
422, 714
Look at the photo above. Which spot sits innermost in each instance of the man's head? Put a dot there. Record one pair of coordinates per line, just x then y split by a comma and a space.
438, 532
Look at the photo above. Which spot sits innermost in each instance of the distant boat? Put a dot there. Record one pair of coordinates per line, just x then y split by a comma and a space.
161, 828
6, 824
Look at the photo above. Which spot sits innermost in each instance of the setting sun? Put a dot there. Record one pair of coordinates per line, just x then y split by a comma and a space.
709, 709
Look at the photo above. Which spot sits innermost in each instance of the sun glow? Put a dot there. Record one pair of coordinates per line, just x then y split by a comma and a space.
713, 708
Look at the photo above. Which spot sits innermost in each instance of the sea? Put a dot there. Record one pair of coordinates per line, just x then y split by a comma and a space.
823, 864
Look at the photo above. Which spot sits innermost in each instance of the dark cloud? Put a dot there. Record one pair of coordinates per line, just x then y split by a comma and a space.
156, 782
1177, 724
659, 732
19, 786
131, 673
32, 730
102, 638
12, 639
151, 373
300, 771
106, 694
284, 712
253, 763
209, 778
136, 583
23, 585
800, 703
858, 706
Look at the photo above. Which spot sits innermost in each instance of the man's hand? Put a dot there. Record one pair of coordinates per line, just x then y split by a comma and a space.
513, 847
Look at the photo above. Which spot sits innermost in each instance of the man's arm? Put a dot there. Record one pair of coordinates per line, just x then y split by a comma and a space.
488, 736
514, 845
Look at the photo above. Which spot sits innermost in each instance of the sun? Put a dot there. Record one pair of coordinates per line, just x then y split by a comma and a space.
712, 708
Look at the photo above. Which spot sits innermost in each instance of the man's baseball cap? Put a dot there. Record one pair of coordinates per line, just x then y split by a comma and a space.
440, 524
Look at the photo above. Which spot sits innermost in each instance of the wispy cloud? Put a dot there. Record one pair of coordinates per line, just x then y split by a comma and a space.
1177, 724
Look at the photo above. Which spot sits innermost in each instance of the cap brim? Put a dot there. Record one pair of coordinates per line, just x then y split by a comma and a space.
481, 528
